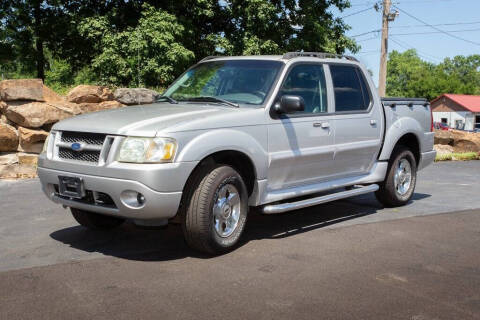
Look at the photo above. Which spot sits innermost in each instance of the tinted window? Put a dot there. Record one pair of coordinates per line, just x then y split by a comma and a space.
351, 93
308, 82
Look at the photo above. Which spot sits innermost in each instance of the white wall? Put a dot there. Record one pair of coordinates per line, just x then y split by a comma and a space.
465, 116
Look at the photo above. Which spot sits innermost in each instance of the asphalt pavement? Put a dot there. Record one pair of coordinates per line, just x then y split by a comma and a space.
351, 259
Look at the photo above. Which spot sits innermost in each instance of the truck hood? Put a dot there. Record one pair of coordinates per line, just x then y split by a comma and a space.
148, 120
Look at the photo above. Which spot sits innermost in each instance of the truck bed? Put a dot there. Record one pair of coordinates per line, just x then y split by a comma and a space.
417, 108
414, 113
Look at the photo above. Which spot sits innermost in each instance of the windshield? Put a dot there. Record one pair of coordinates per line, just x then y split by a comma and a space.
237, 81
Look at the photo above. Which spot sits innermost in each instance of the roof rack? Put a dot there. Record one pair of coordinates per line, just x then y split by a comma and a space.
320, 55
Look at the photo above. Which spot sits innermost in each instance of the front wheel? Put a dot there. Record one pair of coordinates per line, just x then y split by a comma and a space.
95, 221
216, 210
398, 187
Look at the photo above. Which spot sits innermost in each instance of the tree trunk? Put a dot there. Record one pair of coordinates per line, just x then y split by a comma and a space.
40, 56
40, 59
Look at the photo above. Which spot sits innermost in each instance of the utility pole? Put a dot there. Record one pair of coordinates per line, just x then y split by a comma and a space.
387, 17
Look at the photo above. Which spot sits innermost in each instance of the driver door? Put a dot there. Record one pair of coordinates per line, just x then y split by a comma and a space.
301, 144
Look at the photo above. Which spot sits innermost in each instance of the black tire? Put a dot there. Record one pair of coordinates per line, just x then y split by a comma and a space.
202, 194
388, 194
95, 221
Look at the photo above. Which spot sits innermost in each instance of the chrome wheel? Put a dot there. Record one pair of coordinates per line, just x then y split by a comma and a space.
403, 177
226, 210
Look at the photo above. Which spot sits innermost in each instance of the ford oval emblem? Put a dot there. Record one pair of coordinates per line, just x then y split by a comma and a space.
76, 146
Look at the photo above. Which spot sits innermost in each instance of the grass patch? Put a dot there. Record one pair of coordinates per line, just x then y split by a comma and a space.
457, 156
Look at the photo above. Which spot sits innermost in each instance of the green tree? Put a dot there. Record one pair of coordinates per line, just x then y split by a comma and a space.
150, 54
151, 42
410, 76
275, 26
29, 26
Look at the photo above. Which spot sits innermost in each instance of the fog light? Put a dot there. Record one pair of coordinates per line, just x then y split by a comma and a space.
132, 199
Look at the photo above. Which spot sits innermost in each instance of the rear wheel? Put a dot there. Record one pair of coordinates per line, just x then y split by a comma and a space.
95, 221
399, 185
215, 210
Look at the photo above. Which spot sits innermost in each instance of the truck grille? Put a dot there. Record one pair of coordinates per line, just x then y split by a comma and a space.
88, 156
93, 143
89, 138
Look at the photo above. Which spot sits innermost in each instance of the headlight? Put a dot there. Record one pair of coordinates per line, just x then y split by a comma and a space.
151, 150
45, 144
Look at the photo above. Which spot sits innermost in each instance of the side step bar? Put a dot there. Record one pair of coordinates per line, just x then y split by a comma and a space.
284, 207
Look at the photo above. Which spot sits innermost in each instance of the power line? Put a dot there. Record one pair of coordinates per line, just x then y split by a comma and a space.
368, 39
365, 33
433, 32
438, 29
407, 46
355, 13
415, 33
436, 25
424, 26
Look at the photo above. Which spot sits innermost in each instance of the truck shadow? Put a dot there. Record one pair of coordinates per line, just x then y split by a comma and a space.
134, 243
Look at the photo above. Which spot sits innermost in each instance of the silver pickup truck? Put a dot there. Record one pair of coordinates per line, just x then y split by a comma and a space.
275, 132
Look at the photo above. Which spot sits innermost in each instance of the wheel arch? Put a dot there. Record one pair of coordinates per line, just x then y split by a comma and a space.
408, 139
238, 160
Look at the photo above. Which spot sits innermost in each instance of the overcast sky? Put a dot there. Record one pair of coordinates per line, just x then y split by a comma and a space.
461, 15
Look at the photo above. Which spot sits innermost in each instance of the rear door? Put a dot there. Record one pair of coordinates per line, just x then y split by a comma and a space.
358, 121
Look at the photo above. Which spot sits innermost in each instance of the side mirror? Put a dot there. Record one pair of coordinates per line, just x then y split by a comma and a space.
290, 104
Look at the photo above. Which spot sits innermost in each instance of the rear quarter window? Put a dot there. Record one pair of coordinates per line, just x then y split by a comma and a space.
350, 88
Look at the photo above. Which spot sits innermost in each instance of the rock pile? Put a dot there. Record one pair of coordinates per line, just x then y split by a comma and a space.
28, 110
459, 141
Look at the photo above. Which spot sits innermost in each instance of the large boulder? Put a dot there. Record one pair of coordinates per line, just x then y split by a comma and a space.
28, 159
89, 94
66, 106
134, 96
35, 114
8, 158
21, 89
105, 105
8, 137
31, 140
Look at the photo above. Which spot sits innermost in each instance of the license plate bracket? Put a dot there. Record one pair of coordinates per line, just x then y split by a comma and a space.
72, 187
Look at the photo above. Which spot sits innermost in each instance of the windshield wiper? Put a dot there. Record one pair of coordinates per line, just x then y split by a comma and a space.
211, 99
171, 100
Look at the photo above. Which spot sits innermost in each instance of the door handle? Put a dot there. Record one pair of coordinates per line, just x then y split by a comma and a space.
373, 122
323, 125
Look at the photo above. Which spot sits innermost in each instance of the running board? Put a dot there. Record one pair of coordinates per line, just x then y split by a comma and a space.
284, 207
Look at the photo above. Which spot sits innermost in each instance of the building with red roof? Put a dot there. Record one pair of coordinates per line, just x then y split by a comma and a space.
459, 111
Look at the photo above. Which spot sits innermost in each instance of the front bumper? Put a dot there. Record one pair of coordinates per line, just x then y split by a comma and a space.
158, 205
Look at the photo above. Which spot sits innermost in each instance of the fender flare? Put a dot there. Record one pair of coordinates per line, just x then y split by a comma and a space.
214, 141
396, 131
